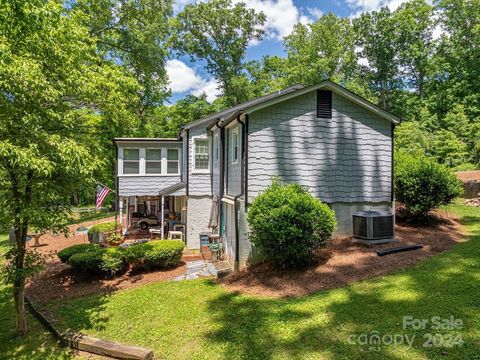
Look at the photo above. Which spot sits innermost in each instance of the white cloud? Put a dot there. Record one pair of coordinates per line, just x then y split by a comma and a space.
282, 15
361, 6
184, 79
210, 88
315, 12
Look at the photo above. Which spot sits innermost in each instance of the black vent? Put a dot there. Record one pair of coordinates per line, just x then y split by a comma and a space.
383, 227
360, 226
324, 104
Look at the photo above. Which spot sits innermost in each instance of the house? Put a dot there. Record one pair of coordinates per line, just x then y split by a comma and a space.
324, 137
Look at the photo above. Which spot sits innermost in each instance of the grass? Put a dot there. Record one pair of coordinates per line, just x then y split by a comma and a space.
201, 320
37, 344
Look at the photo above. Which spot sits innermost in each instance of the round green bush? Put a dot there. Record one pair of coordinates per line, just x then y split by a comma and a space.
288, 224
160, 254
99, 260
421, 184
65, 254
102, 227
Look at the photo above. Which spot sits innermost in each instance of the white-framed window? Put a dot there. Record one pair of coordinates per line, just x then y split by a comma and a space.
235, 145
201, 154
153, 161
173, 161
131, 161
216, 147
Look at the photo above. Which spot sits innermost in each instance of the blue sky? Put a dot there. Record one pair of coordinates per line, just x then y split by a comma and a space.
191, 78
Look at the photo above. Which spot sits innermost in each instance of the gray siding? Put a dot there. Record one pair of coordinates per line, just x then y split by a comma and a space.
343, 159
199, 183
142, 185
233, 170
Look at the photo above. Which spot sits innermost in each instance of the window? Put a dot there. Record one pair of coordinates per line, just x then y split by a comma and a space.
153, 161
201, 154
216, 147
235, 145
172, 161
131, 161
324, 104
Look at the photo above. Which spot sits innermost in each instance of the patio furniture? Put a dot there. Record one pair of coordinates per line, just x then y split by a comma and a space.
36, 239
155, 231
172, 235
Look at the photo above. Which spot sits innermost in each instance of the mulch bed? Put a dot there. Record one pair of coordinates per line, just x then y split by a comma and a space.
59, 282
343, 262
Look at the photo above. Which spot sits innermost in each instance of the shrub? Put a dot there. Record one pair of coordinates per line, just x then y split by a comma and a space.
94, 259
288, 224
421, 184
89, 261
113, 260
102, 227
155, 254
65, 254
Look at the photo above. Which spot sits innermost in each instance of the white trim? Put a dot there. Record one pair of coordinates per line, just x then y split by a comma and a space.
149, 175
123, 161
160, 161
178, 161
194, 168
335, 88
227, 200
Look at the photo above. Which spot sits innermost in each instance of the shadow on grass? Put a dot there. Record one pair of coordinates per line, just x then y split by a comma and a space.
336, 324
38, 343
201, 320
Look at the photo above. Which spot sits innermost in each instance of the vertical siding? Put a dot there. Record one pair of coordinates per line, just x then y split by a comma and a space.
233, 171
199, 183
343, 159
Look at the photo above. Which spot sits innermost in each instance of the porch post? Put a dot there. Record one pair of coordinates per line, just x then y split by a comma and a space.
135, 203
162, 205
120, 210
127, 221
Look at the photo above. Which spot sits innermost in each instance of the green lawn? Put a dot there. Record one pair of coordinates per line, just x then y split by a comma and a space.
38, 344
200, 320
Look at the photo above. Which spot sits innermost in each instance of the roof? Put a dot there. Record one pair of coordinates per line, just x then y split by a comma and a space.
289, 93
145, 139
172, 189
243, 106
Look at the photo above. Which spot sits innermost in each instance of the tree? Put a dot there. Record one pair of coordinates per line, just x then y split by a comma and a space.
322, 50
414, 24
135, 33
219, 33
167, 120
54, 88
377, 37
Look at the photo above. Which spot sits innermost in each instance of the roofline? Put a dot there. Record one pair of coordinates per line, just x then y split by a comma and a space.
334, 87
117, 140
225, 114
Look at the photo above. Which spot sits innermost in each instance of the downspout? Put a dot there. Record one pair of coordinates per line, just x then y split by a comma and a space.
245, 164
187, 183
235, 201
393, 164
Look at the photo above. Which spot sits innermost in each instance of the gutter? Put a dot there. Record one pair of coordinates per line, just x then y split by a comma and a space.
235, 200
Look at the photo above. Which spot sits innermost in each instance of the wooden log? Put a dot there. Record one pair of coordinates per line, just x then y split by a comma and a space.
108, 348
87, 343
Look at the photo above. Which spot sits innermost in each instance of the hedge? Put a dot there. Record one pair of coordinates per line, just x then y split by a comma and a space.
102, 227
421, 184
91, 258
66, 253
155, 254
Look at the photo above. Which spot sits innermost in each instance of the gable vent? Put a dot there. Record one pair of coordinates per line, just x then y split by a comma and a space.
324, 104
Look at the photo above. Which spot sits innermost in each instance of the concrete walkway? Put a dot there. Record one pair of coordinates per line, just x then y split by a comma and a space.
198, 269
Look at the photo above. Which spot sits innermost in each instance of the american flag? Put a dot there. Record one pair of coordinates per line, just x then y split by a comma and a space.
102, 192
